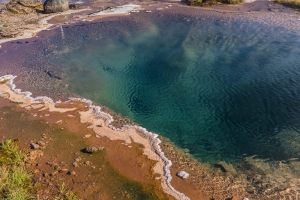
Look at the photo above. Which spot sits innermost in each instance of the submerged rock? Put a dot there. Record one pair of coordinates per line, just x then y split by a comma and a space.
54, 6
224, 167
182, 174
53, 74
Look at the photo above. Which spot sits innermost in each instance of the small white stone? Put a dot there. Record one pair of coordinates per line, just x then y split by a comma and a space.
182, 174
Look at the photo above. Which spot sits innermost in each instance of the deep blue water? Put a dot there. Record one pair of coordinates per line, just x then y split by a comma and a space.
219, 88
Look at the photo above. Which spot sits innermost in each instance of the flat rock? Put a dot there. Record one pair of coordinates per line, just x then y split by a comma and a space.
37, 106
16, 101
182, 174
92, 149
34, 146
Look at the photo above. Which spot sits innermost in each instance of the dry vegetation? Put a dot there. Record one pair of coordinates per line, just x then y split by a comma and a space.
289, 2
15, 182
212, 2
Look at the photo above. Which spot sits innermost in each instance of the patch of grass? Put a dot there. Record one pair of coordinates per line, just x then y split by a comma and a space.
64, 195
14, 180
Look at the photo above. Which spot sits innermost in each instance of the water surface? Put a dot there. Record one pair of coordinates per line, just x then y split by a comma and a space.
220, 88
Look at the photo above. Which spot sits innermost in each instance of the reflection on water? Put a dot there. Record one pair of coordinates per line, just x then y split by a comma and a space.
221, 89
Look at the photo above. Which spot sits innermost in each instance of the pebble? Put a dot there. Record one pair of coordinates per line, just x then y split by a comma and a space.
182, 174
93, 149
64, 170
34, 146
41, 143
77, 159
71, 172
75, 164
54, 173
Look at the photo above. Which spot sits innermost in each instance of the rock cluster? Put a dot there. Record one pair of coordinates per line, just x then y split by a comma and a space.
24, 6
54, 6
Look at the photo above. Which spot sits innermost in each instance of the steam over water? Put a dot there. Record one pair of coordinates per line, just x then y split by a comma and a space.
220, 88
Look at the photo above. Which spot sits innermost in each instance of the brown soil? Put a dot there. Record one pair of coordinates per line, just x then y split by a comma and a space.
119, 171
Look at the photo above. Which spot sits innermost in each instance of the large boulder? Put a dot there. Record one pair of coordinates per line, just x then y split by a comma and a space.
54, 6
24, 6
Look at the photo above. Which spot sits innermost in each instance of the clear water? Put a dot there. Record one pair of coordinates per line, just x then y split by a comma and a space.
219, 88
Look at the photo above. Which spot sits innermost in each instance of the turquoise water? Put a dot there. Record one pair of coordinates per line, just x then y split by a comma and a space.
222, 89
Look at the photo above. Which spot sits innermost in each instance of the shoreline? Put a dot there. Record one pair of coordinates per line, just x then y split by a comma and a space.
48, 21
218, 181
42, 24
100, 120
107, 119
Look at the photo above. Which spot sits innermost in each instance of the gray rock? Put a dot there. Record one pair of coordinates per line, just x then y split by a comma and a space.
92, 149
182, 174
54, 6
34, 146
